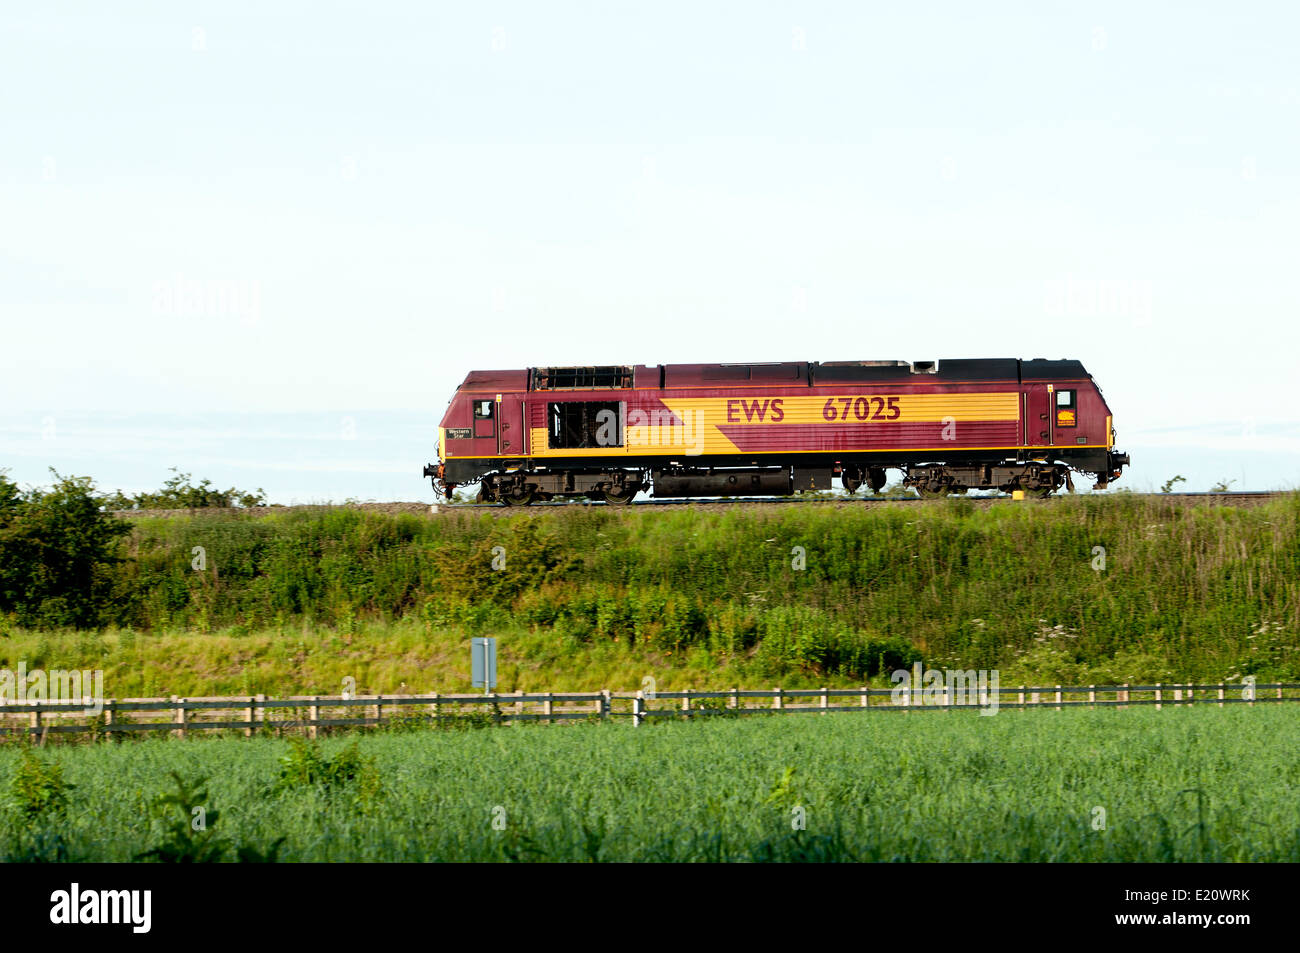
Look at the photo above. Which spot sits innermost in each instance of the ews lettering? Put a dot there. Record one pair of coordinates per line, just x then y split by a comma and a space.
771, 410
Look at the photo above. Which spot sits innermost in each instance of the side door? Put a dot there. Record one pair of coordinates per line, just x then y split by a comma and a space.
1037, 410
485, 427
511, 434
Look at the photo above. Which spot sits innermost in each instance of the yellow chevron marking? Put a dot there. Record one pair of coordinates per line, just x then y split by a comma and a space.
701, 417
849, 408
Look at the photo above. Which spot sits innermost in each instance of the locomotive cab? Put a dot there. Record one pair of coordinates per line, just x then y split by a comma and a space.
481, 428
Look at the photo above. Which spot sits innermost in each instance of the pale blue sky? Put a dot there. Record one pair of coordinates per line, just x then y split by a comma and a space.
375, 198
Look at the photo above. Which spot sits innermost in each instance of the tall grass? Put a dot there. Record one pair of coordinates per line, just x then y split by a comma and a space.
1178, 785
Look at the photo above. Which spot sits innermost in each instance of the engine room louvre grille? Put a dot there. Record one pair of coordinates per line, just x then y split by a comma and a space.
575, 424
572, 378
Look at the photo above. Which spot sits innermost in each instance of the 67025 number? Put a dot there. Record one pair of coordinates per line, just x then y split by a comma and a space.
861, 408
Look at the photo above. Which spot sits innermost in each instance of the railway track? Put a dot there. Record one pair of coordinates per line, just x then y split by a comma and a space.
1237, 498
1234, 498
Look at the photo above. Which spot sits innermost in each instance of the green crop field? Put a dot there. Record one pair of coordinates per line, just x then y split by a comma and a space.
1077, 785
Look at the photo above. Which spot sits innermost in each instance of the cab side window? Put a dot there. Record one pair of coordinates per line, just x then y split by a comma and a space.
1065, 398
482, 410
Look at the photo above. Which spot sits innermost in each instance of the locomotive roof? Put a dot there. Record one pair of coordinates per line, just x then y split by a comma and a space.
957, 370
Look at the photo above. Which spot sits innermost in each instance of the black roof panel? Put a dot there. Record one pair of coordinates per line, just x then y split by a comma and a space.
1052, 370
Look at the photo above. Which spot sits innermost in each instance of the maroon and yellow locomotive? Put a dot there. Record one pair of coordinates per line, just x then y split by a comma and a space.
693, 430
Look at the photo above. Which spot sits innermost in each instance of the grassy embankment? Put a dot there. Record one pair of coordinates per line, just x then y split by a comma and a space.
599, 598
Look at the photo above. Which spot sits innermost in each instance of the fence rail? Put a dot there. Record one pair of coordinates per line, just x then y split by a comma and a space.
310, 713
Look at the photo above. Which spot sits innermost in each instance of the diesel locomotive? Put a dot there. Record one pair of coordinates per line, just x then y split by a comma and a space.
707, 430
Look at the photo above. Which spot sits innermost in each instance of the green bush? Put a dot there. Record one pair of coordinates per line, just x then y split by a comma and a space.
37, 790
179, 493
188, 826
60, 556
189, 829
305, 766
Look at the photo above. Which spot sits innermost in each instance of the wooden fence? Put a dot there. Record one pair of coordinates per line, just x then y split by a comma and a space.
311, 713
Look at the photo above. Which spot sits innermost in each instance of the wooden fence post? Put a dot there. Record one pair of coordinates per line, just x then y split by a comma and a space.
39, 723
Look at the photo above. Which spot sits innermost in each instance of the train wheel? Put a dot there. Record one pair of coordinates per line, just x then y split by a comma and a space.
517, 496
620, 497
932, 492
